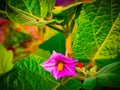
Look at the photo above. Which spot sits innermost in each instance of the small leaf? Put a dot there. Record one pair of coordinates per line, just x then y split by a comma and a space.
93, 71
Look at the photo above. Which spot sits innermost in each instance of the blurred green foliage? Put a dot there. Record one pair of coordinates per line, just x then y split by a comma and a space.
6, 60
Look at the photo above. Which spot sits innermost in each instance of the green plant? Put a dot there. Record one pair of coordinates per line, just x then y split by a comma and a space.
96, 40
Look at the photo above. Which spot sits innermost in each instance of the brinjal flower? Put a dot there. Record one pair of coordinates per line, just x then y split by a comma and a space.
60, 66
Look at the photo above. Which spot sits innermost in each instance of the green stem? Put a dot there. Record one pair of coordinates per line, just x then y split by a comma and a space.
42, 30
3, 12
55, 28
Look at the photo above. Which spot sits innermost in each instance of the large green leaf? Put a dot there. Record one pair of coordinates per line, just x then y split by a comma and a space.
29, 12
105, 62
90, 83
27, 74
6, 60
109, 75
98, 31
71, 85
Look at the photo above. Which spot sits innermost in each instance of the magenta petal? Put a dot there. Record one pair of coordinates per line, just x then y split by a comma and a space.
48, 66
70, 70
70, 60
55, 73
53, 57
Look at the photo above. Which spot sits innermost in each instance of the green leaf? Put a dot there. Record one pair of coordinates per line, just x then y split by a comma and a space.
63, 16
29, 12
43, 53
98, 31
56, 43
71, 85
105, 62
2, 8
51, 4
109, 75
27, 74
6, 60
90, 83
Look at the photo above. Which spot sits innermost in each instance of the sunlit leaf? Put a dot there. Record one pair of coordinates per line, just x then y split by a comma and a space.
6, 60
98, 31
29, 12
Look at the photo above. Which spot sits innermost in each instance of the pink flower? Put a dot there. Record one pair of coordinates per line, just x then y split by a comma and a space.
60, 66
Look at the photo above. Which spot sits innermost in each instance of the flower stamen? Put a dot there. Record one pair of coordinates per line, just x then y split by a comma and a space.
60, 66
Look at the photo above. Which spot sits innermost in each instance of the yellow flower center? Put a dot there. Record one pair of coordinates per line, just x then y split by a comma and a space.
60, 66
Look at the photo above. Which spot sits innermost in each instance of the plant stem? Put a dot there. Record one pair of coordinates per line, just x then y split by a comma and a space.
3, 12
68, 36
68, 41
55, 28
